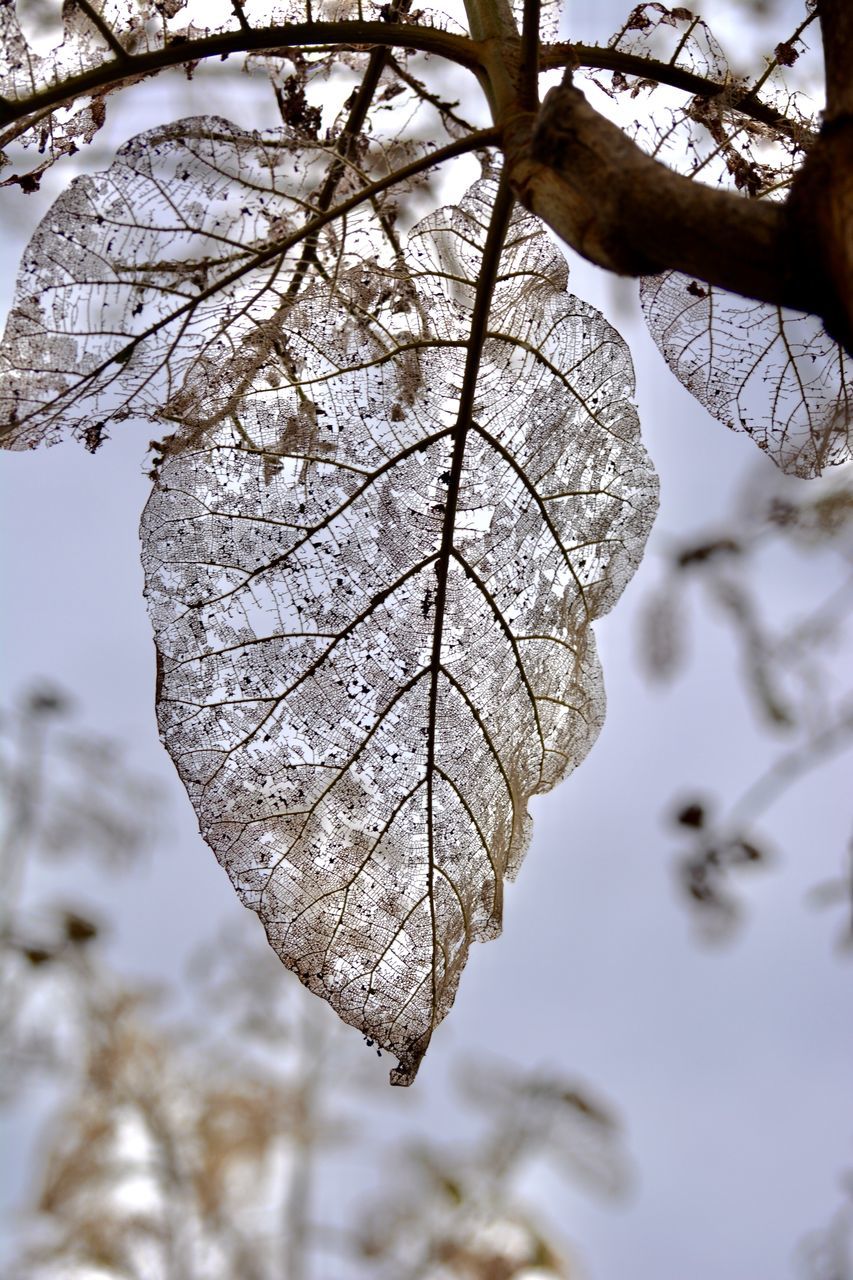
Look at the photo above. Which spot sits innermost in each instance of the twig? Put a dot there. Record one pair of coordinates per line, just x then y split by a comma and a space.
240, 13
790, 767
774, 63
316, 35
102, 28
600, 58
529, 85
443, 108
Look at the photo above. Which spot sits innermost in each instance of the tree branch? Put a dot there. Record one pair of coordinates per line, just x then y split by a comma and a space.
821, 200
445, 109
528, 95
628, 213
315, 35
599, 58
345, 147
103, 30
836, 25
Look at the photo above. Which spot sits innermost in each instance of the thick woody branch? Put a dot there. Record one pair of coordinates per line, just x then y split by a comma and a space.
628, 213
821, 200
836, 26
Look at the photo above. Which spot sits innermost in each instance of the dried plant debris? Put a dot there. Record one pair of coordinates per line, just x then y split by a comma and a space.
48, 52
672, 35
372, 593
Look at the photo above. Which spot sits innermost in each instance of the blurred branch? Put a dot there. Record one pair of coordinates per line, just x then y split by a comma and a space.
791, 767
827, 1254
723, 846
61, 791
792, 672
22, 785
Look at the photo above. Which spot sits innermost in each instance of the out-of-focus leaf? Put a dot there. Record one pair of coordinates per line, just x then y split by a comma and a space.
662, 626
691, 815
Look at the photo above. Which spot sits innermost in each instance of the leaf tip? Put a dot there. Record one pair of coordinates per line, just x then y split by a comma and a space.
407, 1068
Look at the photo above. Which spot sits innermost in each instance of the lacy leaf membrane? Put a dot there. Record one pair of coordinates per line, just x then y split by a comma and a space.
141, 279
772, 373
674, 35
43, 59
45, 51
361, 682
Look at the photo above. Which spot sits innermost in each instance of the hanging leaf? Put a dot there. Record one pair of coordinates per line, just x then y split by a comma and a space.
372, 589
165, 266
772, 373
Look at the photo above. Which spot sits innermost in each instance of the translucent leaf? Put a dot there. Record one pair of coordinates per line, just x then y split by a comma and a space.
710, 139
42, 51
171, 262
39, 54
706, 135
774, 374
36, 53
372, 607
756, 151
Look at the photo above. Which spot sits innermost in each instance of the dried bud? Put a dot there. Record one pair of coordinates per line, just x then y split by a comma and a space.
692, 815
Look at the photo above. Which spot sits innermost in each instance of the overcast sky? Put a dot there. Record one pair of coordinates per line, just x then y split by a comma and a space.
731, 1068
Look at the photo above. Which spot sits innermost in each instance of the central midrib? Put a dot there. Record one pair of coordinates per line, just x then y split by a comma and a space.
479, 321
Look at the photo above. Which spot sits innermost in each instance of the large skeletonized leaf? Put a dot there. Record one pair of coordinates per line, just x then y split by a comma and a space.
372, 606
773, 373
170, 262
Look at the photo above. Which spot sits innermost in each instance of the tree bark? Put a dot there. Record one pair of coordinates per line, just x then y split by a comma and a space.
628, 213
821, 201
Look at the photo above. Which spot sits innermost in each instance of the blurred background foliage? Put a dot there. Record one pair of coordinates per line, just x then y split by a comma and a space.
193, 1129
795, 669
194, 1146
